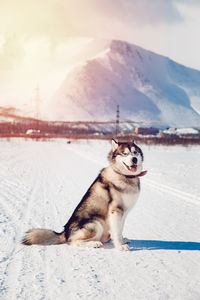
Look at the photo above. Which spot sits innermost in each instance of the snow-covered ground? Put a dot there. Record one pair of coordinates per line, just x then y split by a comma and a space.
40, 185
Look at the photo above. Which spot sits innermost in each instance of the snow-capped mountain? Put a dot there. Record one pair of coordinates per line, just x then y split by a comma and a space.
148, 87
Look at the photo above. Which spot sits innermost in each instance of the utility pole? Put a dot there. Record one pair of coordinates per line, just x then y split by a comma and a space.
117, 120
37, 105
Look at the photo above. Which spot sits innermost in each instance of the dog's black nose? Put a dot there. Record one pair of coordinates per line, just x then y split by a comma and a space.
134, 160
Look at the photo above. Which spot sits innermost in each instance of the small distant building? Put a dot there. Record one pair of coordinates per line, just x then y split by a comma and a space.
181, 131
187, 131
143, 131
32, 131
161, 134
136, 130
170, 131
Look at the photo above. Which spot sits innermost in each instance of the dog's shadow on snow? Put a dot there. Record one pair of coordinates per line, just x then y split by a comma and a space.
138, 245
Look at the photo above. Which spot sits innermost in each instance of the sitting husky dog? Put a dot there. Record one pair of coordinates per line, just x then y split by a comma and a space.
105, 205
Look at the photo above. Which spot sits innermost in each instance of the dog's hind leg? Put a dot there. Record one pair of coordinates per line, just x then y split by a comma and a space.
89, 236
105, 237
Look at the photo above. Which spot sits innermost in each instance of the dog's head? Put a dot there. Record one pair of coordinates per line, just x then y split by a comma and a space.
126, 158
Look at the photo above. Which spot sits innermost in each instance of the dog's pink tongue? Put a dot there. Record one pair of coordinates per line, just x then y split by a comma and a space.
133, 169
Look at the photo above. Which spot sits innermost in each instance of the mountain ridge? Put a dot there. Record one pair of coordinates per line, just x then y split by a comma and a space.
148, 87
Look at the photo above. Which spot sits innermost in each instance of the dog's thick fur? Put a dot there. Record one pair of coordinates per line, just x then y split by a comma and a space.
104, 207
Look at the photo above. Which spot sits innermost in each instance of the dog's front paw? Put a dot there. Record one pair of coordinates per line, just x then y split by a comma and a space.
89, 244
124, 247
95, 244
125, 240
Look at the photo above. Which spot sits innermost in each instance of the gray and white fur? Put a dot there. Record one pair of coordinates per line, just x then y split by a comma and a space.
102, 211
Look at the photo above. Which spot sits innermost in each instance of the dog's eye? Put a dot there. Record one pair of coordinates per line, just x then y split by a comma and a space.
135, 152
125, 153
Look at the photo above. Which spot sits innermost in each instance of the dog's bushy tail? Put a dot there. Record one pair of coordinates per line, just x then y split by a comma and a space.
43, 237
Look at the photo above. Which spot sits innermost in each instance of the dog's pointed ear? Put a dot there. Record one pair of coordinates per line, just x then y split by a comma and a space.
114, 145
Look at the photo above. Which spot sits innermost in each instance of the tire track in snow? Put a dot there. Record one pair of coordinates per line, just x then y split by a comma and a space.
37, 202
12, 203
153, 184
15, 263
36, 206
39, 206
13, 196
190, 198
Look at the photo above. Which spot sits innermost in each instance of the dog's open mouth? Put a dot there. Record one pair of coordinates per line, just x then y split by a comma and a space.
132, 168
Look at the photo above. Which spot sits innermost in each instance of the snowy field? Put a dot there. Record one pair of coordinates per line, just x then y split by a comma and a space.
40, 185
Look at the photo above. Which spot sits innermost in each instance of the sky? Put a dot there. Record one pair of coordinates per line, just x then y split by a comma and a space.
41, 40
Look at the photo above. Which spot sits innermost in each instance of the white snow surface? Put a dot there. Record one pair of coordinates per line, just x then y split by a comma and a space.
40, 185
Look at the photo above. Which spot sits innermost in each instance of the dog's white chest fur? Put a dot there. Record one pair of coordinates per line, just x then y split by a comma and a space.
129, 200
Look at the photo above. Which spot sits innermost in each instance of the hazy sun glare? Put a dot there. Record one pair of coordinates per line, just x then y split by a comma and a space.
41, 40
27, 61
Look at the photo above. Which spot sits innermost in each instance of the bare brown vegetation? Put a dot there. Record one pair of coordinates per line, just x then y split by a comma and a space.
147, 140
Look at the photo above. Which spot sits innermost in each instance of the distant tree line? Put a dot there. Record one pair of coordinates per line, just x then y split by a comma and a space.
89, 130
45, 127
